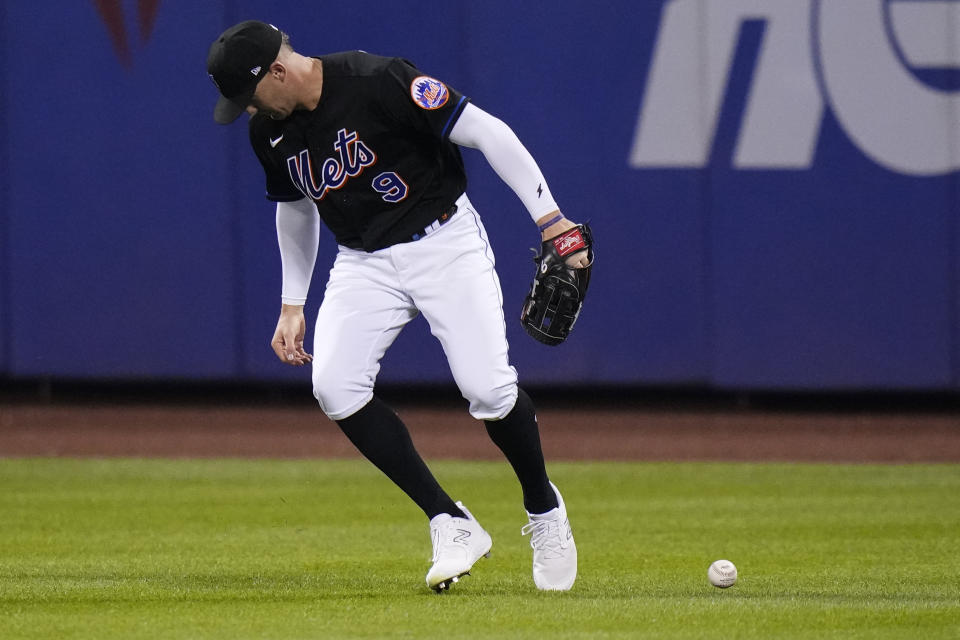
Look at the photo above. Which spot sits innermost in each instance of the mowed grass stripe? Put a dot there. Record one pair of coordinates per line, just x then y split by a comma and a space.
328, 549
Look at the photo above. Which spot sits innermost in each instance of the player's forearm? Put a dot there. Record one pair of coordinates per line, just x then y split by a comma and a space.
507, 156
298, 236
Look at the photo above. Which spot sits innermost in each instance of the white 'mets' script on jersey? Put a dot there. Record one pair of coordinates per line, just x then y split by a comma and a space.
815, 53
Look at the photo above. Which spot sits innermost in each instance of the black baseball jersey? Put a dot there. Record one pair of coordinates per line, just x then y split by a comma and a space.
374, 155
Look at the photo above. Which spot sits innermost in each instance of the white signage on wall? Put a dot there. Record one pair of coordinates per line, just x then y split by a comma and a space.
855, 57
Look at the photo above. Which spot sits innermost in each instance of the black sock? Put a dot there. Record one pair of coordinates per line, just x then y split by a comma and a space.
518, 436
379, 434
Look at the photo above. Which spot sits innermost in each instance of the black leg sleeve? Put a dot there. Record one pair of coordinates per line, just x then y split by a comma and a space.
379, 434
518, 436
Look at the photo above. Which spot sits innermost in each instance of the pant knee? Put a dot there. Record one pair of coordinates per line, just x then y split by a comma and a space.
492, 403
339, 398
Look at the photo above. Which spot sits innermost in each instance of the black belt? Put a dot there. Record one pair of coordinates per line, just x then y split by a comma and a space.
441, 220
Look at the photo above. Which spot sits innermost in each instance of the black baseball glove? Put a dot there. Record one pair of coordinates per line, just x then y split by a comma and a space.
553, 304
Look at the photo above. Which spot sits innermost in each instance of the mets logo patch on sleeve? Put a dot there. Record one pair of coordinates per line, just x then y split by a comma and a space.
429, 93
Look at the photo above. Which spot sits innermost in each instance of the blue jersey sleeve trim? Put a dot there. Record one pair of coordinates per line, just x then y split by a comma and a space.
453, 116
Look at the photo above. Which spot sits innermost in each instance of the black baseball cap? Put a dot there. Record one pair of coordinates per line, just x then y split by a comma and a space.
236, 63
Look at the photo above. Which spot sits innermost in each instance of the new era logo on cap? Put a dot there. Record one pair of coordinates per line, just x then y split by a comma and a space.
237, 60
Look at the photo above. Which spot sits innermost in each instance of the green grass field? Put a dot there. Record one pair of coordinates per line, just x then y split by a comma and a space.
327, 549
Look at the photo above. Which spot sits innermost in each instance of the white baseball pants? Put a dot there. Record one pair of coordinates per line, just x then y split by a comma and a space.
449, 276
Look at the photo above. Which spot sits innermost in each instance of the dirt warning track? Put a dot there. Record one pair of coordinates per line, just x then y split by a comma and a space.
162, 429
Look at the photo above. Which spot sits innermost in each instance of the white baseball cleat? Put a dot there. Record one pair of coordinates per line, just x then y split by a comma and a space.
554, 552
457, 544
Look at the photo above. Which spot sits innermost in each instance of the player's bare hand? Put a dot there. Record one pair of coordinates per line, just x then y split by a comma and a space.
577, 260
287, 340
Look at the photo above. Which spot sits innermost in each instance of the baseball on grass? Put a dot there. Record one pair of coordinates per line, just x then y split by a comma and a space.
722, 574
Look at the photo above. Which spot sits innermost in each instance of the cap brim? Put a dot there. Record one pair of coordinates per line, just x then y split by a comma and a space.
227, 110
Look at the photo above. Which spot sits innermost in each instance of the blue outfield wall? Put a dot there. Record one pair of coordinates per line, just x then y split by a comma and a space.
773, 187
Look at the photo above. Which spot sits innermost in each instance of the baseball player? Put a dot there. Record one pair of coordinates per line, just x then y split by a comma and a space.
370, 146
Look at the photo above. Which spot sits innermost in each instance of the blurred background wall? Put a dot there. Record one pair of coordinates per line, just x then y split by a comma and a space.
773, 186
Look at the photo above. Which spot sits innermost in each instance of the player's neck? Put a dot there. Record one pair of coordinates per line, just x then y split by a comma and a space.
313, 84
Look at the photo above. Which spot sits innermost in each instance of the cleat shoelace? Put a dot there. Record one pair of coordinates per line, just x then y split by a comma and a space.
546, 537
